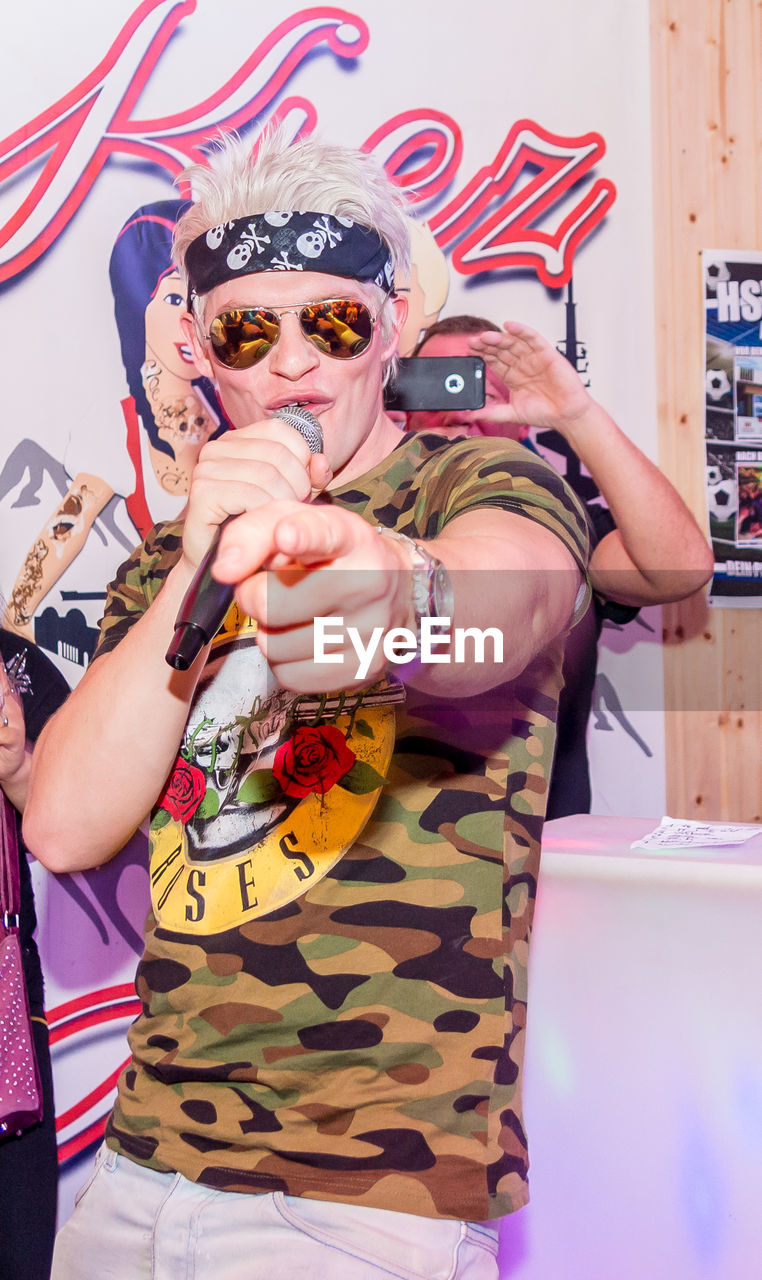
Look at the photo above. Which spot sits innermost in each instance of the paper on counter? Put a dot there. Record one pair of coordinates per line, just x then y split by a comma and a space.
679, 833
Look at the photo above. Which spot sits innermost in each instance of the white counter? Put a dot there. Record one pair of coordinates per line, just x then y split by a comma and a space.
644, 1062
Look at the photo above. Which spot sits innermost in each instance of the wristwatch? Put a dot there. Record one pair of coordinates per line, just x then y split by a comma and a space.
432, 587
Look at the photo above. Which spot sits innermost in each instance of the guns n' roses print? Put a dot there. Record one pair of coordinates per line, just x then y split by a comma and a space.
267, 791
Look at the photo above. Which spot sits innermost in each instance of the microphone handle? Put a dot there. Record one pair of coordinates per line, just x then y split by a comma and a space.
202, 611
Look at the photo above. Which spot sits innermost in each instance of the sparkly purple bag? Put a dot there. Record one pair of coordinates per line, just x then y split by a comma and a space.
20, 1093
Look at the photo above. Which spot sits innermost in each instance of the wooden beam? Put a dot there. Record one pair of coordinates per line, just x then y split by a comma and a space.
705, 59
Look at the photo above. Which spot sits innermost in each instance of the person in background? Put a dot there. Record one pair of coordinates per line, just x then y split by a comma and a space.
169, 414
647, 548
31, 689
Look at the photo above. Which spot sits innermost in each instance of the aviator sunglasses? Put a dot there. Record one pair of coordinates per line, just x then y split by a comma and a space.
338, 327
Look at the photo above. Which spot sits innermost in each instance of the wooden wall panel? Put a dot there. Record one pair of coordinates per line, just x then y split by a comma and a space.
706, 116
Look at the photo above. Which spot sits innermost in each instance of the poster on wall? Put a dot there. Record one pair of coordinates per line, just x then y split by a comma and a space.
534, 191
733, 423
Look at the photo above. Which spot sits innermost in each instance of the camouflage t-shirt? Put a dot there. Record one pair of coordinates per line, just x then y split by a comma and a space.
334, 977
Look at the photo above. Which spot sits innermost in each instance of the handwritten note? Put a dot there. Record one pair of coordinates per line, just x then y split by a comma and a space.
679, 833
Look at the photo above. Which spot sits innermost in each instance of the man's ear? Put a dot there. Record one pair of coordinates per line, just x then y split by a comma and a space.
399, 310
200, 358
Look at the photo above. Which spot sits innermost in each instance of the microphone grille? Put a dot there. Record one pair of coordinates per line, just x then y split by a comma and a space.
305, 423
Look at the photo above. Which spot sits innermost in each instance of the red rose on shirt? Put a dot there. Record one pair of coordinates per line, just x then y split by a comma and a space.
314, 760
184, 791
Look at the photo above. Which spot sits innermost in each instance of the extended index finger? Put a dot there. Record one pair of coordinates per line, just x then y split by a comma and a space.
309, 533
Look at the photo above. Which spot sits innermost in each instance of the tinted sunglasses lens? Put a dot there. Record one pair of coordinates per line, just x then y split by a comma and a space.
341, 328
241, 338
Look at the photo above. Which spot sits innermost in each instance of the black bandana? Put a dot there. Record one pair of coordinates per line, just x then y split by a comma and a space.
292, 241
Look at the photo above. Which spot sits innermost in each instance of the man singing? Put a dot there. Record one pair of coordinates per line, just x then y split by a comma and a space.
326, 1075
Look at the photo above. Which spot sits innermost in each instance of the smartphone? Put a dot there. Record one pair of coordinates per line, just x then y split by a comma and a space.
437, 382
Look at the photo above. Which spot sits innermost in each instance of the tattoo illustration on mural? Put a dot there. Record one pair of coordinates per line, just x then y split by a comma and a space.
40, 569
27, 584
69, 515
28, 466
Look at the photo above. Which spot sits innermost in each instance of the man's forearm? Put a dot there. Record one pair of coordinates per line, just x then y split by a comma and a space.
660, 553
509, 576
101, 761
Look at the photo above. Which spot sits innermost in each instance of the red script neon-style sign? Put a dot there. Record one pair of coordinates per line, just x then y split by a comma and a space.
492, 223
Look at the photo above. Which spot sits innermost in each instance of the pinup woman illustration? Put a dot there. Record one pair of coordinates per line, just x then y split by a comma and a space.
169, 414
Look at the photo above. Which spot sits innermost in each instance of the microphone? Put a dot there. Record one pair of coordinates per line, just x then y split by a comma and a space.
207, 601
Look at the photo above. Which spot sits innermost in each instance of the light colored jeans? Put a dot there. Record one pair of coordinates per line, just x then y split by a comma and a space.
133, 1224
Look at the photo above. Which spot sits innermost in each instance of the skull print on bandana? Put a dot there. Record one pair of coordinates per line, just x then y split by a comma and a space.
288, 241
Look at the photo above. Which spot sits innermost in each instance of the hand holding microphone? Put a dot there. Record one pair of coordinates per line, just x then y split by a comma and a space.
207, 601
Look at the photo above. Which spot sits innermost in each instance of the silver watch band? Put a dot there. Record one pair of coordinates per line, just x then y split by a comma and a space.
431, 584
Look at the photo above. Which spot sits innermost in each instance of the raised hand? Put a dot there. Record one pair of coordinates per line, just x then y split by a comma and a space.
545, 391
